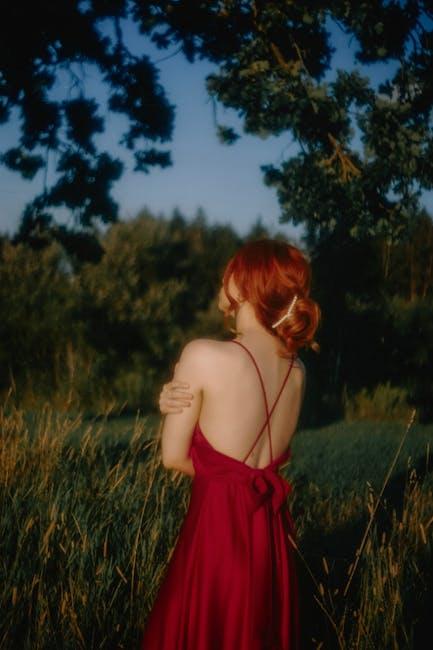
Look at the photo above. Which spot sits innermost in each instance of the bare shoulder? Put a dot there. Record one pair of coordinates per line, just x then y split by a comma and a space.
201, 351
201, 358
194, 362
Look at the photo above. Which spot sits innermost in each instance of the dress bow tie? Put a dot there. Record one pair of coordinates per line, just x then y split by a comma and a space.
266, 485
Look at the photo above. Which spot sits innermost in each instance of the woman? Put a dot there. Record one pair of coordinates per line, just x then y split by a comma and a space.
231, 582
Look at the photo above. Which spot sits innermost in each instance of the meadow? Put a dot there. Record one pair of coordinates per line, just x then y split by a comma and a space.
88, 517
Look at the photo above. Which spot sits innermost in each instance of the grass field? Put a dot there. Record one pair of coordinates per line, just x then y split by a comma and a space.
88, 517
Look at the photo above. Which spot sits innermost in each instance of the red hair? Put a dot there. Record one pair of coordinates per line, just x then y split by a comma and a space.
268, 274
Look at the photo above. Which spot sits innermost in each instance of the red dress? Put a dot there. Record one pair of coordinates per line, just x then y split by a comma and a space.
231, 582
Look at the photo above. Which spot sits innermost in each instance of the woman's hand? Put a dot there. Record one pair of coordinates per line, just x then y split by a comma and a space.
174, 396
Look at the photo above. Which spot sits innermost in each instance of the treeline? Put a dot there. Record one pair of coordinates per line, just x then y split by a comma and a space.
98, 322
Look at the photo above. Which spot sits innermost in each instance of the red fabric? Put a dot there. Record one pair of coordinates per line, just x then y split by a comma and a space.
231, 582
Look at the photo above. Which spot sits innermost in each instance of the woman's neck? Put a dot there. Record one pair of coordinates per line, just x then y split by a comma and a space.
248, 325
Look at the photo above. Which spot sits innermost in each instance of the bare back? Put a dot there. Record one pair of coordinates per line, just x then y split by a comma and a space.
234, 407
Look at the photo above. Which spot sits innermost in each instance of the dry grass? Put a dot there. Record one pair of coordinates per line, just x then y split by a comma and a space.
88, 522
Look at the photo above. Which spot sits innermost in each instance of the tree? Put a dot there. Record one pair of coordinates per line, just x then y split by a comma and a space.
273, 59
36, 302
40, 41
273, 56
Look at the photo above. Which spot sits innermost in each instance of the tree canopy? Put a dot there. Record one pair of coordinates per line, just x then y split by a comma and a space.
365, 153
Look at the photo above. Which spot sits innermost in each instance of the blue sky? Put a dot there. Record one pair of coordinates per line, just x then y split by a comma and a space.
224, 180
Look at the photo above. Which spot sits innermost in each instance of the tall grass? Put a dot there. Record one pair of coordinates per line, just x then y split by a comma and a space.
383, 401
384, 597
88, 520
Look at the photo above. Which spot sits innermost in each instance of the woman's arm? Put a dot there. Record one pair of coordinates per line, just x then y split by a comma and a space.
178, 427
174, 395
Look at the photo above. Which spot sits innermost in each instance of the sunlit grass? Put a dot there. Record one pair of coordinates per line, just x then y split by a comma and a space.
88, 518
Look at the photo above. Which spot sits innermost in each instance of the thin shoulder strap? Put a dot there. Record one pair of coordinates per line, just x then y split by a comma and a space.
268, 413
264, 395
272, 410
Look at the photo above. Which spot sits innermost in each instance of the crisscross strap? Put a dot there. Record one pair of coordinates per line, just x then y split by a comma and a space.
268, 414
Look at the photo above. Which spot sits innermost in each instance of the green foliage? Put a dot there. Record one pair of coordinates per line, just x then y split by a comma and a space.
412, 348
384, 402
36, 299
104, 333
376, 300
